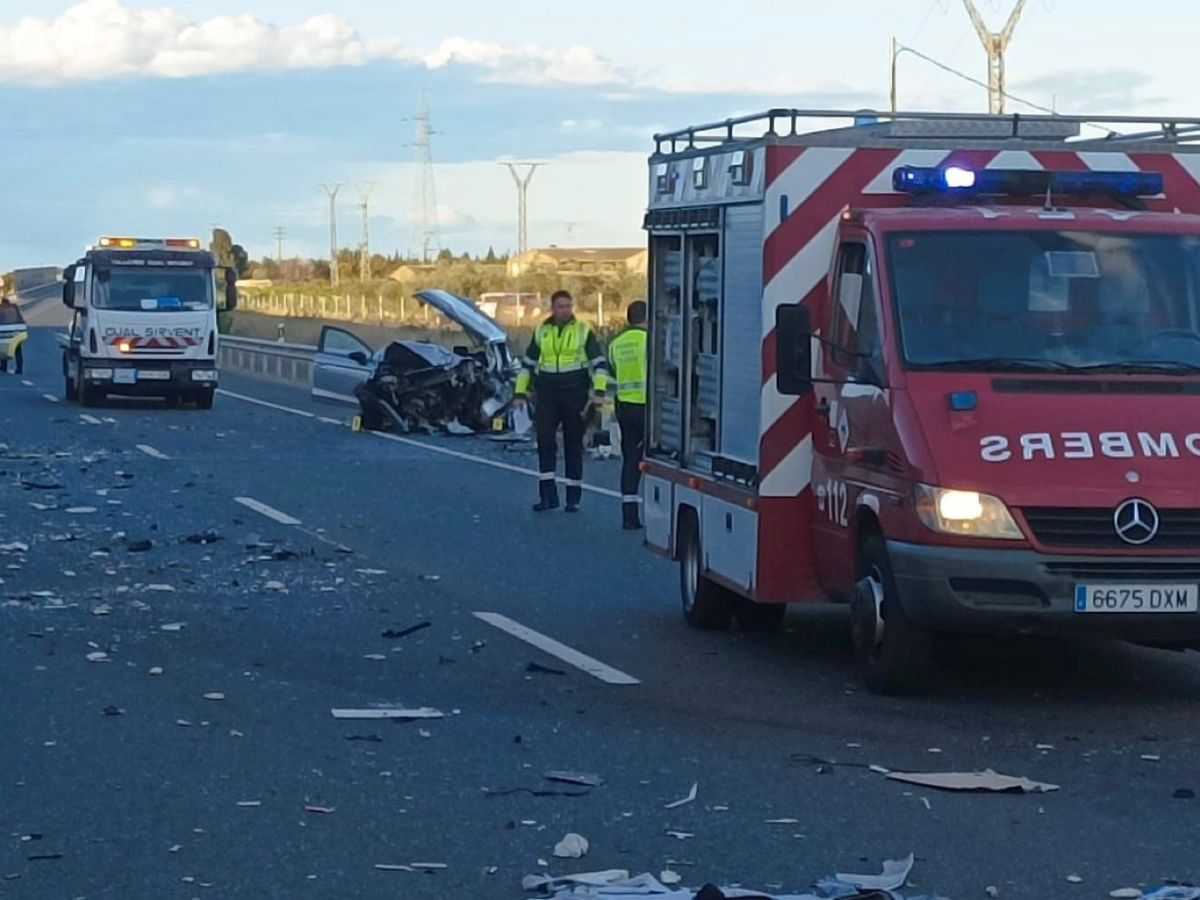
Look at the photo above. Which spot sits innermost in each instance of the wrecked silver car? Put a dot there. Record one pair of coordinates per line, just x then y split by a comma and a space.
418, 385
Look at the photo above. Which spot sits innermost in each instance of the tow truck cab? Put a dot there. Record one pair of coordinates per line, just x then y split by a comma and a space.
145, 321
978, 375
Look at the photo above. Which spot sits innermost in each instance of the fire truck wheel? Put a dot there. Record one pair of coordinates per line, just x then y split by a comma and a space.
762, 617
706, 605
893, 653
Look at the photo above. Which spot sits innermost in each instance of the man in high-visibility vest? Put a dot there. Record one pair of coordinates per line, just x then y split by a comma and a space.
627, 359
564, 359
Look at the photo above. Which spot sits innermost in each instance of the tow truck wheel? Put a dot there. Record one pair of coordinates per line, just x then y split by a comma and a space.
706, 605
893, 653
763, 617
68, 388
204, 398
85, 393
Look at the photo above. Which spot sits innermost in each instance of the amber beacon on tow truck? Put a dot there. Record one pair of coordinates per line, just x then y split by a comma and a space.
145, 321
944, 368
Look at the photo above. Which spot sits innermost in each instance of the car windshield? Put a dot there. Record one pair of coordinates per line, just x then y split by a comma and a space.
1058, 301
155, 289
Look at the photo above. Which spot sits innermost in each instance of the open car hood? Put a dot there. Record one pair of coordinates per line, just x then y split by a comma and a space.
475, 323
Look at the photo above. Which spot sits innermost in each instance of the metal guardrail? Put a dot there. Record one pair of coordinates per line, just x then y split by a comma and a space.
272, 360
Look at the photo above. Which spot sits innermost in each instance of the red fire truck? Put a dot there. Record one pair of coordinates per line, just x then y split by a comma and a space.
943, 368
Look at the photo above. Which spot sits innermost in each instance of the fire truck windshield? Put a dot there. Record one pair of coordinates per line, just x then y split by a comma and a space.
152, 289
989, 301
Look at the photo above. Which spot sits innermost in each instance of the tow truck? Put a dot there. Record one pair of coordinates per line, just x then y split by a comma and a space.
944, 369
145, 321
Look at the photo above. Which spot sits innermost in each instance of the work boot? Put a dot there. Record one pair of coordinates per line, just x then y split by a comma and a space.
572, 507
629, 517
545, 505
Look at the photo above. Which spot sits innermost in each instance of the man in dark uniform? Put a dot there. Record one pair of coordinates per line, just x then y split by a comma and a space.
564, 359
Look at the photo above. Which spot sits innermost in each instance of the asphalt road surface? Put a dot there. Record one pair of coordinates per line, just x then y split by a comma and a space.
165, 706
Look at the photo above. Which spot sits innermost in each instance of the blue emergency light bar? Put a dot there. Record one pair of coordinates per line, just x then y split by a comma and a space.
960, 180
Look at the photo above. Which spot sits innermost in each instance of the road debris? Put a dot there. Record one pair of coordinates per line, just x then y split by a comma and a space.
139, 546
397, 633
584, 779
154, 670
691, 796
669, 878
583, 879
1075, 879
370, 571
214, 695
532, 792
423, 712
1184, 794
1173, 892
539, 669
393, 867
369, 738
203, 537
172, 626
895, 874
1125, 894
97, 656
986, 781
249, 803
112, 711
320, 810
14, 547
160, 588
572, 846
277, 587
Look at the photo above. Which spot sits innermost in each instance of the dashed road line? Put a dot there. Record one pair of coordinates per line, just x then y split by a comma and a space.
89, 420
269, 511
560, 651
152, 452
399, 439
50, 397
27, 383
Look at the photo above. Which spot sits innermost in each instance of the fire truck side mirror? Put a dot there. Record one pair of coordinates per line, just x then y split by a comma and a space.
231, 292
68, 291
793, 340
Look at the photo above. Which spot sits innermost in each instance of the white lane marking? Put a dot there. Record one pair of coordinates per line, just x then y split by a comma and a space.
333, 395
257, 402
571, 657
151, 452
27, 383
269, 511
50, 397
89, 420
399, 439
325, 420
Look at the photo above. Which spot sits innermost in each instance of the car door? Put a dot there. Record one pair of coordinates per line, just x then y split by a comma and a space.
342, 363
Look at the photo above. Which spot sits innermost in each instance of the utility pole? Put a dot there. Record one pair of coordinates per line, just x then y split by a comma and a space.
522, 181
996, 45
364, 204
332, 191
280, 233
426, 186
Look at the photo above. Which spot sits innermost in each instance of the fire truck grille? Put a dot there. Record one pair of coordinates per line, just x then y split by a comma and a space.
1092, 528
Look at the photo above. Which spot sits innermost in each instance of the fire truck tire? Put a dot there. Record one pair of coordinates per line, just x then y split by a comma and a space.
204, 398
761, 617
894, 655
707, 606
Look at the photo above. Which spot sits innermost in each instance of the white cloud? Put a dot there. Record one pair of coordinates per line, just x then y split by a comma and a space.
97, 39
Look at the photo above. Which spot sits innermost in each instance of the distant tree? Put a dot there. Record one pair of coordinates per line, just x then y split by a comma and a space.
222, 247
446, 255
491, 256
241, 260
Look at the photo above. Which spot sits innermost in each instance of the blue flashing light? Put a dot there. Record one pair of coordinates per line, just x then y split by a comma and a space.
964, 401
952, 180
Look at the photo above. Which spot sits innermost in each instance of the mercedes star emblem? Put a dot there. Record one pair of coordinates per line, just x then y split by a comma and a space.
1136, 522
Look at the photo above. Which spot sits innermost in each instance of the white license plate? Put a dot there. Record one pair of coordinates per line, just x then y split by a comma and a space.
154, 375
125, 376
1137, 598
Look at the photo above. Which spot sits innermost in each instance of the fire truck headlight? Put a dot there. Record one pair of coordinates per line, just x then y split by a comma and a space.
965, 514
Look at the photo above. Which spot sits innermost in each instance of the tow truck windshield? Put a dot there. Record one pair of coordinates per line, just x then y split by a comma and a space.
1047, 301
154, 289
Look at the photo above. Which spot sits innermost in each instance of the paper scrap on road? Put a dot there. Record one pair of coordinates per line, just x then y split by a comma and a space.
987, 781
14, 547
691, 796
97, 656
214, 695
572, 846
895, 873
423, 712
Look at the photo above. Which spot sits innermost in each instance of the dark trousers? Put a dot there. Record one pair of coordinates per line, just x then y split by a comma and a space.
18, 357
632, 419
560, 407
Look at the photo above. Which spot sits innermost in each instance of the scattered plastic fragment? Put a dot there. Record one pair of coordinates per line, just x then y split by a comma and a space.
370, 572
172, 626
581, 778
275, 587
895, 873
375, 656
986, 780
14, 547
428, 866
572, 846
1151, 757
214, 695
670, 878
783, 821
539, 669
391, 867
97, 656
691, 796
423, 712
582, 879
1074, 879
320, 810
249, 803
155, 670
1174, 892
1125, 894
81, 510
160, 588
429, 578
680, 835
112, 711
139, 546
396, 633
204, 537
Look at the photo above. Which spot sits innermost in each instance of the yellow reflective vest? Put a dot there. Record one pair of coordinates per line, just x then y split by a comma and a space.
561, 357
627, 359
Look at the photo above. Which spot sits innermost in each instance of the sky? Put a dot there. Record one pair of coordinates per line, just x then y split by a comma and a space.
168, 117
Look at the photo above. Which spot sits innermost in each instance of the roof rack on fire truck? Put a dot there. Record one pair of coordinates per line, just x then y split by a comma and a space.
866, 126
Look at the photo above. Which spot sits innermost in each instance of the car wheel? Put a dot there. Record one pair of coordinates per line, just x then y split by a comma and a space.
707, 606
894, 655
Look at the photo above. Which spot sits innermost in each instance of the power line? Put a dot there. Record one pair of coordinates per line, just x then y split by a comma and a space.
364, 204
426, 185
280, 234
901, 48
995, 44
